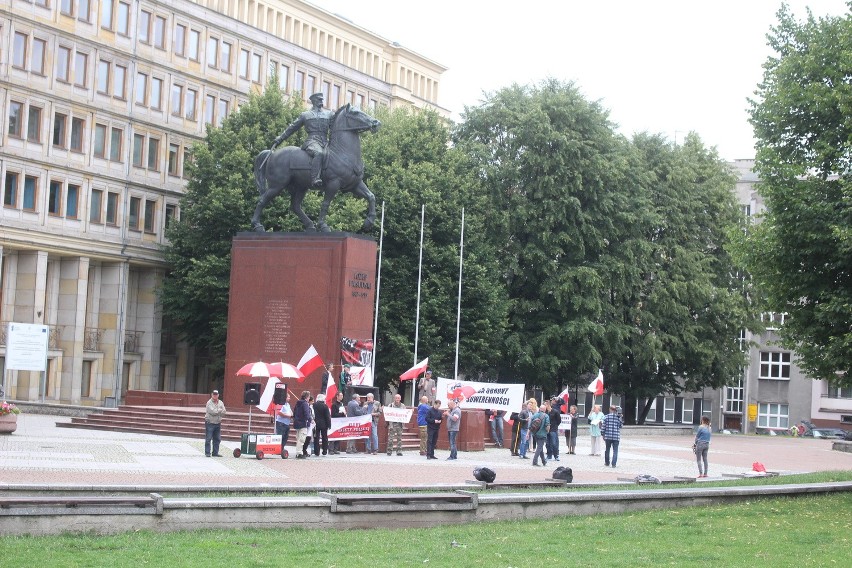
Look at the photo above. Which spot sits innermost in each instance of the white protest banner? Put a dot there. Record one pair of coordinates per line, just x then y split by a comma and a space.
350, 428
469, 394
565, 424
397, 414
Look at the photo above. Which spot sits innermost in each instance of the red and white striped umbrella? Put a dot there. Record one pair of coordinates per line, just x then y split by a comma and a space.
286, 371
259, 369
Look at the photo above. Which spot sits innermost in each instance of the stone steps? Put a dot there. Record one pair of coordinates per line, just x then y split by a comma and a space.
189, 423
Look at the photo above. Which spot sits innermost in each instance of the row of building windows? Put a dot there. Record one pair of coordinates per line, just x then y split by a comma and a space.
64, 200
30, 52
69, 132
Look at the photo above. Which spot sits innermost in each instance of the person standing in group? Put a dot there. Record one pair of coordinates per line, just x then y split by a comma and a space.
453, 416
524, 418
374, 409
338, 410
345, 377
426, 385
306, 448
422, 411
283, 419
496, 419
327, 377
611, 430
595, 417
702, 445
213, 413
555, 416
395, 428
433, 425
353, 408
322, 422
571, 433
302, 424
539, 427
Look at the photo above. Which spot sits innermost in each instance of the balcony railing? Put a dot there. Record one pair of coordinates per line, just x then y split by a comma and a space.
131, 341
52, 337
92, 339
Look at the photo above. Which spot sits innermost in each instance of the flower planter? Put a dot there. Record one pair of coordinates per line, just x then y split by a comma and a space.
8, 423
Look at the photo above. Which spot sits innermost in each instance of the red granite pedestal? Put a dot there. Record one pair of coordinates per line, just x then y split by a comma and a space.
293, 290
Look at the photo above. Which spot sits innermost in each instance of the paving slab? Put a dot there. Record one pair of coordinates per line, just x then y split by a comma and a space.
41, 454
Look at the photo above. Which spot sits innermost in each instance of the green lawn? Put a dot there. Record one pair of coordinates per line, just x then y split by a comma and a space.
802, 531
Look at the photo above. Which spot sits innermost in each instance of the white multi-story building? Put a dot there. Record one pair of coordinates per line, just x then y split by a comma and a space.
101, 100
772, 386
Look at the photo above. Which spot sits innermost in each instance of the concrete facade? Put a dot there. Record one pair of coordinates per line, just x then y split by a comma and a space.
101, 100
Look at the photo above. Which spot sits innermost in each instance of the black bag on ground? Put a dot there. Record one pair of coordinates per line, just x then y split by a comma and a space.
563, 472
484, 474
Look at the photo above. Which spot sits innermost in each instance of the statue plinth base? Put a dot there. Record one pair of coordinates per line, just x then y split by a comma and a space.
293, 290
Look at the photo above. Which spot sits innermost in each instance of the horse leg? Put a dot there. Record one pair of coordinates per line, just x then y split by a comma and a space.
330, 191
262, 202
296, 197
364, 193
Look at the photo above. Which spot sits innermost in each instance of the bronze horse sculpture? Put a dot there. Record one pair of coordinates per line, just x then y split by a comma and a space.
343, 170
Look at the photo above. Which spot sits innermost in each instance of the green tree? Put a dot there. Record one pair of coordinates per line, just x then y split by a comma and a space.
411, 163
219, 201
800, 253
555, 172
612, 250
677, 317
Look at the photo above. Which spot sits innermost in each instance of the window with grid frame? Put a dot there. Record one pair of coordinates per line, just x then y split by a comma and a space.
133, 213
669, 410
96, 206
10, 190
16, 119
775, 365
78, 126
773, 415
34, 124
60, 122
37, 57
150, 215
19, 50
54, 198
734, 398
63, 63
688, 407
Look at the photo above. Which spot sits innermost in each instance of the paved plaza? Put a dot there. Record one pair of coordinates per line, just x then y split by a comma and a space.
41, 454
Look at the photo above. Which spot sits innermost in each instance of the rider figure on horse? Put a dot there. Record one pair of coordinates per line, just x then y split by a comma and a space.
316, 123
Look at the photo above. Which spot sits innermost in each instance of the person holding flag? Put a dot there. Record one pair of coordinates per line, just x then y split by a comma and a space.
413, 373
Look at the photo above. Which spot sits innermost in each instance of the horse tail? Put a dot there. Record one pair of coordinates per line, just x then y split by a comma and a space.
260, 170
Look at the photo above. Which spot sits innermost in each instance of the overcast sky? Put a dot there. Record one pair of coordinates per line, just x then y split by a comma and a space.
664, 66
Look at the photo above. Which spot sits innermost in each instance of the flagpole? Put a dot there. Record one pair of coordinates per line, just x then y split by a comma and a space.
419, 278
458, 306
378, 289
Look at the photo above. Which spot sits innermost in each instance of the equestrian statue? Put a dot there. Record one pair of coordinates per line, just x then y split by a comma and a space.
329, 160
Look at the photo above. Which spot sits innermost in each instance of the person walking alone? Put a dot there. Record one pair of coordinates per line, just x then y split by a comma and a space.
702, 445
611, 429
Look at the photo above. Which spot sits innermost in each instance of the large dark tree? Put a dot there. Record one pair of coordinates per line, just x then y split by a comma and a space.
411, 163
556, 172
800, 252
678, 315
613, 251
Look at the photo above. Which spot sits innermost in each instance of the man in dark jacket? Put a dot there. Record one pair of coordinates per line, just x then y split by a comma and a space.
433, 425
322, 418
555, 416
302, 423
338, 410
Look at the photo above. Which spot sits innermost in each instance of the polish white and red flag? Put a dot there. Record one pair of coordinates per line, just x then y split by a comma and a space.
597, 386
415, 371
309, 362
330, 391
565, 395
266, 405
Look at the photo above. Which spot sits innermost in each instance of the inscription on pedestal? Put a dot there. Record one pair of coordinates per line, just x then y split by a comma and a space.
276, 326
